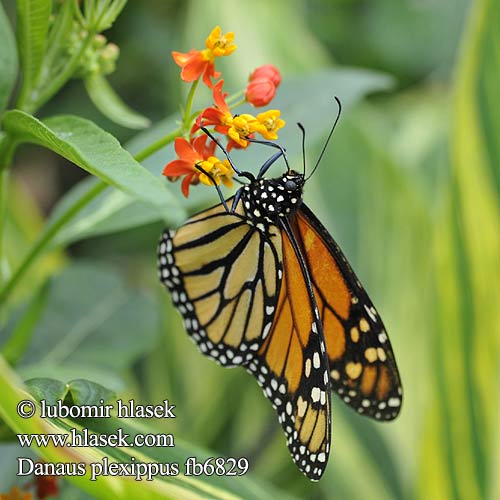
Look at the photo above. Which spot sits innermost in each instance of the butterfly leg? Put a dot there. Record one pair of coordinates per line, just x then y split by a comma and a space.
268, 164
236, 200
272, 145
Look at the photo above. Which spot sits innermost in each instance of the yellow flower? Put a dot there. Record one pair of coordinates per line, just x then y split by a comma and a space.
196, 63
218, 44
218, 170
242, 126
269, 123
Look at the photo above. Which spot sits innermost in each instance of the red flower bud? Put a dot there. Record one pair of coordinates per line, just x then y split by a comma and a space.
260, 92
267, 71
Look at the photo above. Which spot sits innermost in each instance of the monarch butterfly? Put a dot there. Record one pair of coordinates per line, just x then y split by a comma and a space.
261, 284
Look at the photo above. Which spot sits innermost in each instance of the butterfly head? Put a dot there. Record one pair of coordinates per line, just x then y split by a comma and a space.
270, 199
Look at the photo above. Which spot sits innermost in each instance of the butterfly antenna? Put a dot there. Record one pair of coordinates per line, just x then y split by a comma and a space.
329, 136
303, 130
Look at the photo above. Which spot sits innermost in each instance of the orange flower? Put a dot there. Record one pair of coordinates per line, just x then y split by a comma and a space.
201, 62
190, 154
193, 65
220, 115
46, 486
237, 128
16, 494
198, 154
262, 85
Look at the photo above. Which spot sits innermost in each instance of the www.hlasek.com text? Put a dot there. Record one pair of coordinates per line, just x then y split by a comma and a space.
84, 438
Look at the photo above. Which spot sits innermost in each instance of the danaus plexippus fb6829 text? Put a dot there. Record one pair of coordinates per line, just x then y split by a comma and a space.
261, 284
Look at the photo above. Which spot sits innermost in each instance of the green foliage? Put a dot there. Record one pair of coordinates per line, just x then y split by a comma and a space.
173, 488
8, 59
469, 358
97, 152
32, 29
410, 188
76, 392
105, 99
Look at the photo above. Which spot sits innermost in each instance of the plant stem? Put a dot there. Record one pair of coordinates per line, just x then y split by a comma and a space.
64, 218
235, 96
239, 103
160, 143
7, 148
4, 180
189, 104
47, 236
55, 85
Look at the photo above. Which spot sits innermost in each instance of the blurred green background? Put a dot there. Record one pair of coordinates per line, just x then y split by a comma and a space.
409, 187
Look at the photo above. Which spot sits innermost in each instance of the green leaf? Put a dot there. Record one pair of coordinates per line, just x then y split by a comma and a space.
463, 434
100, 15
32, 28
8, 59
305, 99
46, 388
76, 392
116, 211
469, 266
86, 392
107, 101
103, 318
97, 152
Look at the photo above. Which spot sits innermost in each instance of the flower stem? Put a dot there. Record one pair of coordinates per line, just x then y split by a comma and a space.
239, 103
186, 122
160, 143
235, 96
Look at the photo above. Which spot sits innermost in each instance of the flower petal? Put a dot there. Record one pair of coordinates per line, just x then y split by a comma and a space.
186, 182
178, 167
185, 150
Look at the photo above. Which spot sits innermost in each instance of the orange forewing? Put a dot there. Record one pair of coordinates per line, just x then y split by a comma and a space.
362, 366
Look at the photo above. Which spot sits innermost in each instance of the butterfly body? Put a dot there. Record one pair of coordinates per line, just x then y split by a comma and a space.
264, 286
271, 199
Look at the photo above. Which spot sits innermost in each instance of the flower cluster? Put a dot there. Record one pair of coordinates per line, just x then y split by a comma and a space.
16, 494
196, 160
44, 487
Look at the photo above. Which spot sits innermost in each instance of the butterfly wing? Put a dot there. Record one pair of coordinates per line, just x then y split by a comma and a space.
362, 365
292, 367
223, 275
245, 299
